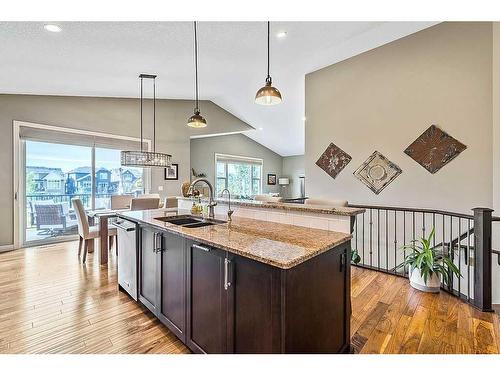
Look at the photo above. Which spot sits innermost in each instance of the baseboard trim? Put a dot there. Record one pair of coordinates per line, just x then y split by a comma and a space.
6, 248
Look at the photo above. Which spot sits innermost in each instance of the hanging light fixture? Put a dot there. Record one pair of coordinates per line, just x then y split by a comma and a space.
268, 95
146, 158
196, 120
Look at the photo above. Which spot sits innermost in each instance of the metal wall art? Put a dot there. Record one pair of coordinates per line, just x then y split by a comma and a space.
333, 160
434, 149
377, 172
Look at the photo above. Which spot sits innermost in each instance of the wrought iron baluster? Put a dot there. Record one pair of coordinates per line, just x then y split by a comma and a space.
356, 228
467, 260
443, 250
364, 262
434, 227
386, 241
450, 253
404, 240
413, 223
459, 248
395, 242
371, 238
423, 224
378, 238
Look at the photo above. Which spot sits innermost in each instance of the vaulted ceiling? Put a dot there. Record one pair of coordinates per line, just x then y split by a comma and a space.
104, 59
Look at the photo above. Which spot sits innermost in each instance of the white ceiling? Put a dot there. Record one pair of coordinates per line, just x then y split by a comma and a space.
104, 59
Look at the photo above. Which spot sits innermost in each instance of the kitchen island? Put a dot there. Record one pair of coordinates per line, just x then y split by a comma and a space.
248, 286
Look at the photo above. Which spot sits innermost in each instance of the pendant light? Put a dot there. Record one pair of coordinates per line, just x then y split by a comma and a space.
196, 120
146, 158
268, 95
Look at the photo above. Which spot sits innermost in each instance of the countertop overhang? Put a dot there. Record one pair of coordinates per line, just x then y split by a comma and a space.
318, 209
279, 245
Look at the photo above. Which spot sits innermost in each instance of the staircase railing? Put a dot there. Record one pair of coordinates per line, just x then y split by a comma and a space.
380, 232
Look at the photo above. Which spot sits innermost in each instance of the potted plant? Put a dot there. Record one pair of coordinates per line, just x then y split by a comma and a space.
427, 265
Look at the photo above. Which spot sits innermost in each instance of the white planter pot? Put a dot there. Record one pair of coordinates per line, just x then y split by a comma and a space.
433, 283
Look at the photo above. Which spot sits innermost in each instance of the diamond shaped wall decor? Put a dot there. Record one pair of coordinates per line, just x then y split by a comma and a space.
333, 160
377, 172
434, 149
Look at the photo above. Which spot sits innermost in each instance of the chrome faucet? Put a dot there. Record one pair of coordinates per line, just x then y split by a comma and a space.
211, 202
229, 211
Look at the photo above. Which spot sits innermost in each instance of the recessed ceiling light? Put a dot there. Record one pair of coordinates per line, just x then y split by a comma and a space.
52, 28
261, 128
281, 34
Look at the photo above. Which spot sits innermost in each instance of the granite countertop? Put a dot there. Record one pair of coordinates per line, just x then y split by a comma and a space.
279, 245
343, 211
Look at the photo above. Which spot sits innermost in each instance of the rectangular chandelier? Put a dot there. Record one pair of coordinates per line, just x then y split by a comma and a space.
145, 159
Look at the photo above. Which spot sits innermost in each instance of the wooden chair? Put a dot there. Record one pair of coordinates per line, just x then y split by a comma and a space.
267, 198
326, 202
120, 202
86, 232
142, 203
170, 202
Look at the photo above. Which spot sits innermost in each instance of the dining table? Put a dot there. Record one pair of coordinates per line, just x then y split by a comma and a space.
103, 217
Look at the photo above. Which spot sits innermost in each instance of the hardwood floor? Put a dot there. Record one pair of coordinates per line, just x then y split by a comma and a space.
51, 303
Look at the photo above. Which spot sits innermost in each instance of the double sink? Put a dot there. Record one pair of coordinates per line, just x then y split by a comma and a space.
189, 221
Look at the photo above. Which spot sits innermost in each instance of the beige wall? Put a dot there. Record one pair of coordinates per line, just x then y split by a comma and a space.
385, 98
203, 152
448, 75
108, 115
293, 167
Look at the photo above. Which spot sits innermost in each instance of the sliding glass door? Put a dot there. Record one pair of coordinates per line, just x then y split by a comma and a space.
55, 173
112, 179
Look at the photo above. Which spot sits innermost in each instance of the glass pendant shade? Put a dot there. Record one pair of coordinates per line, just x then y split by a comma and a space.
268, 94
197, 121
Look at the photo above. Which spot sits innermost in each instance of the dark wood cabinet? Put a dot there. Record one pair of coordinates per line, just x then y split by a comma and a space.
172, 284
208, 299
148, 264
255, 307
219, 302
317, 302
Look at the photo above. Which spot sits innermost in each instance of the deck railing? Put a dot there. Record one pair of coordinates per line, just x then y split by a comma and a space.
380, 233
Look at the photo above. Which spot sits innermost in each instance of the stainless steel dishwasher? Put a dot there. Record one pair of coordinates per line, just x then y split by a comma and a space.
127, 256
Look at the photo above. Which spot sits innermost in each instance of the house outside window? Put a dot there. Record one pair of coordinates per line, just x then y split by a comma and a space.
242, 176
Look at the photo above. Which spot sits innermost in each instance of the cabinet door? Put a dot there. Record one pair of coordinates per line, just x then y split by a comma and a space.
148, 268
257, 298
172, 283
208, 300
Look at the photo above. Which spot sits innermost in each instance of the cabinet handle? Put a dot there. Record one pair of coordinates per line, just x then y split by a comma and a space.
227, 283
203, 248
342, 261
157, 243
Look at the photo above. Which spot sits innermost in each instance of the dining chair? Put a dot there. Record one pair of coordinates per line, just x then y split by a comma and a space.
170, 202
326, 202
141, 203
267, 198
120, 202
88, 233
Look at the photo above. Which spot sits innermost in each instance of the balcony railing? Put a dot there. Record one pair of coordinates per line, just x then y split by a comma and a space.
380, 232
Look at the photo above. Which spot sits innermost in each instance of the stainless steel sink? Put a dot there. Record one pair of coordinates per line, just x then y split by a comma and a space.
189, 221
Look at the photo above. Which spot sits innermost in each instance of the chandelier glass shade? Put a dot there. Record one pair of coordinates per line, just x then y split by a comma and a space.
146, 158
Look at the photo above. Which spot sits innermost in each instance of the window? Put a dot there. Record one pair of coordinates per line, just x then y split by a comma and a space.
242, 176
55, 173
